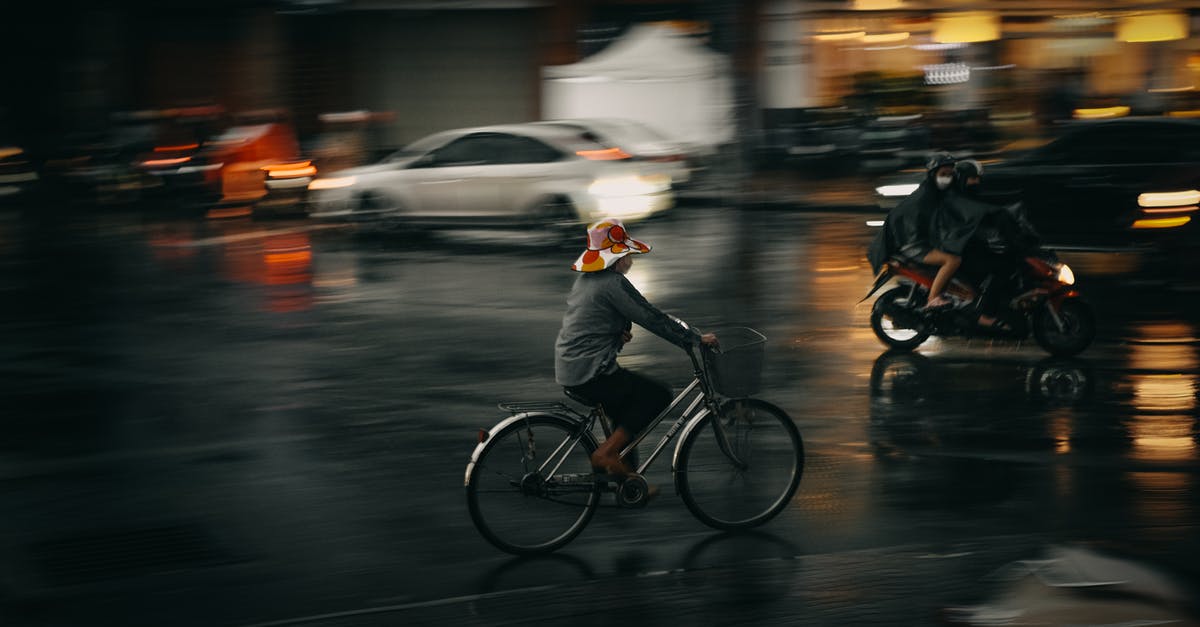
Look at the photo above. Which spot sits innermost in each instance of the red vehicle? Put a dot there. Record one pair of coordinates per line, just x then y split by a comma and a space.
1039, 298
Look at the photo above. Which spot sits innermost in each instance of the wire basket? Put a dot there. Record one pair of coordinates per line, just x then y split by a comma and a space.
735, 369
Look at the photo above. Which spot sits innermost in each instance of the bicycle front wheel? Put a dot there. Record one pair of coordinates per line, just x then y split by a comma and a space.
750, 481
531, 490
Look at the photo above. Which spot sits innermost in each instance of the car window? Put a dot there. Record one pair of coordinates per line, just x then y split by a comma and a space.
469, 150
514, 149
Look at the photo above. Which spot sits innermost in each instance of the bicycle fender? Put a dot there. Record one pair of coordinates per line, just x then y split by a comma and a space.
504, 424
687, 430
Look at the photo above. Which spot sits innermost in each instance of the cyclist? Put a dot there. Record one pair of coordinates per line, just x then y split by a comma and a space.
597, 324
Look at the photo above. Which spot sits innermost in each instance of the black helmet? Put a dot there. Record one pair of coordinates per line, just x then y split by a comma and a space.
967, 168
964, 170
937, 160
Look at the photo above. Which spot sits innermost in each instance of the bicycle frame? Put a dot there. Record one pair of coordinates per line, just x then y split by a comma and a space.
702, 404
686, 421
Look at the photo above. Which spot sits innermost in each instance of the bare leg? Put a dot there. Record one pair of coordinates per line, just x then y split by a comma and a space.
947, 265
607, 455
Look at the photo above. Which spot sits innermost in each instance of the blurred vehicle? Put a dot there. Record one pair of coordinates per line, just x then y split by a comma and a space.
636, 139
1101, 185
18, 176
134, 158
512, 175
346, 139
891, 142
255, 166
963, 131
826, 135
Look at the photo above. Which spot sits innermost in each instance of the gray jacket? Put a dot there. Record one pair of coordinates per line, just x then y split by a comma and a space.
600, 306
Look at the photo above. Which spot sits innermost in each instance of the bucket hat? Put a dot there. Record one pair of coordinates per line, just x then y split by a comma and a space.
607, 241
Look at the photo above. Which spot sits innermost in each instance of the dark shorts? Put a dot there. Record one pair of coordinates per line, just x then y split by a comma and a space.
631, 400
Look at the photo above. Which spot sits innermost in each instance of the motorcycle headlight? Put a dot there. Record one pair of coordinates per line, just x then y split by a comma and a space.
1065, 275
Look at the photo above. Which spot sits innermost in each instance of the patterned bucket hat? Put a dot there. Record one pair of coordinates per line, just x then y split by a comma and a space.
607, 241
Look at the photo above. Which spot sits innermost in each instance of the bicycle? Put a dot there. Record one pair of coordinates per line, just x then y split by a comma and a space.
531, 489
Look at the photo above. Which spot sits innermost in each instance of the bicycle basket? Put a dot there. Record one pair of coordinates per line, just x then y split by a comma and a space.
735, 370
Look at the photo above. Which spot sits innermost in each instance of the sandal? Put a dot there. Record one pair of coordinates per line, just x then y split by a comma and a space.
994, 324
938, 303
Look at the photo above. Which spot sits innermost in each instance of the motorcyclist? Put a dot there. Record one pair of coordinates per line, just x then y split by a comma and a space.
965, 224
907, 229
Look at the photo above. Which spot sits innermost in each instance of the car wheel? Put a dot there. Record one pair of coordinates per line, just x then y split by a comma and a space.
559, 223
372, 206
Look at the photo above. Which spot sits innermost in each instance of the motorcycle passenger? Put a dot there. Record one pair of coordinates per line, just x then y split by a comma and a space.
600, 308
907, 229
965, 223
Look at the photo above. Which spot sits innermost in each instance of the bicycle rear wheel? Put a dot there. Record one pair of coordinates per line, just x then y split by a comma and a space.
753, 484
531, 489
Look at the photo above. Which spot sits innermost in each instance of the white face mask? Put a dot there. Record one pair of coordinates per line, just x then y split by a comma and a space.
944, 181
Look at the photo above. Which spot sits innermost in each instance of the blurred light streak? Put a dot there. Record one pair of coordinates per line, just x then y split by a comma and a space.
1169, 199
840, 36
1155, 26
875, 223
966, 27
606, 154
290, 170
884, 38
1165, 392
178, 148
1161, 223
1172, 209
154, 163
1101, 113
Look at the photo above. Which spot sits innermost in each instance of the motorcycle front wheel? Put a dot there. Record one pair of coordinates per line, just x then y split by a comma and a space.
897, 334
1076, 333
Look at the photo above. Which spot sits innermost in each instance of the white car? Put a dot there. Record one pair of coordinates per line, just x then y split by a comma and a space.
638, 140
517, 175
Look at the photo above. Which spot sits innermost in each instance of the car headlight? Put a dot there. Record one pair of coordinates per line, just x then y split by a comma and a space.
630, 185
892, 191
335, 182
1065, 275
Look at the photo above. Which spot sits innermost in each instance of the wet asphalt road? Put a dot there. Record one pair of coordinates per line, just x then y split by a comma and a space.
238, 422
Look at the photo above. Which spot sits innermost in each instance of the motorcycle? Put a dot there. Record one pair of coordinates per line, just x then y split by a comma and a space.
1039, 299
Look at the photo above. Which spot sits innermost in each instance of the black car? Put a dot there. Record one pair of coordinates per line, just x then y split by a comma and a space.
1101, 185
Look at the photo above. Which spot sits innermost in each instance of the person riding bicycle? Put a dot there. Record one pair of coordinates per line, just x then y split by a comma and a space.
907, 229
597, 324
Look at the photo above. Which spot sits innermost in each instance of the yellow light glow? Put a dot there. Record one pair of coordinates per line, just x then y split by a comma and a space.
9, 151
1156, 26
1169, 199
333, 183
1101, 113
154, 163
966, 27
290, 170
840, 36
884, 38
1161, 223
607, 154
877, 5
1194, 113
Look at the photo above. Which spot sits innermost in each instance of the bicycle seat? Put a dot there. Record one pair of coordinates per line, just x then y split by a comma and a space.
579, 398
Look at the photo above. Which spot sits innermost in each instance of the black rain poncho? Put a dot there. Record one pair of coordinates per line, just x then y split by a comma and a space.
907, 225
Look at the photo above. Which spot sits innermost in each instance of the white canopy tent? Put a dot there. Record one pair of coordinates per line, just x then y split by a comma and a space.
654, 75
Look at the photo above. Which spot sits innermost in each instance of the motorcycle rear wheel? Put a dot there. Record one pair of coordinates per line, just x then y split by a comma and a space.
892, 333
1079, 328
